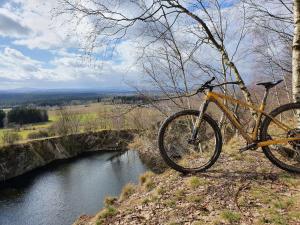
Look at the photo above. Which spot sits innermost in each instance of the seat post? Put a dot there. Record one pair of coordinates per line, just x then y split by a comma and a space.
264, 100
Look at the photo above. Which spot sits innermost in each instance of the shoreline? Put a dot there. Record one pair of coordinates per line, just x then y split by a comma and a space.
18, 159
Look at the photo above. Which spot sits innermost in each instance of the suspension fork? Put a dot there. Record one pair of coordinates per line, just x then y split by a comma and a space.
199, 119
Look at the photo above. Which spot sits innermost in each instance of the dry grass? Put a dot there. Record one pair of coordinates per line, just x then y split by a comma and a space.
127, 191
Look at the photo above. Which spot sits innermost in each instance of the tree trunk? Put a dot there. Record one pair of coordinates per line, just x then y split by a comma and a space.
296, 52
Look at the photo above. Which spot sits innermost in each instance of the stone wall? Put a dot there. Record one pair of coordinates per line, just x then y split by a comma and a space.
21, 158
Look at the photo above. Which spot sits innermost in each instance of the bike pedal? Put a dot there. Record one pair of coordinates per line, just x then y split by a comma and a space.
252, 146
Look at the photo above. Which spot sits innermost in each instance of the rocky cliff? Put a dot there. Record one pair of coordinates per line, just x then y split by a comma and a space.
21, 158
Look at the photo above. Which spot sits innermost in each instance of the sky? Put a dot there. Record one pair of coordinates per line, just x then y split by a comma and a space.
39, 51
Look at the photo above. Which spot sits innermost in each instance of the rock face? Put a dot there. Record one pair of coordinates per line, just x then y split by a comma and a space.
21, 158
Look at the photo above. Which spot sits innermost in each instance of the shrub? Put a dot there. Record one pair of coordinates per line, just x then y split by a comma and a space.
10, 137
90, 125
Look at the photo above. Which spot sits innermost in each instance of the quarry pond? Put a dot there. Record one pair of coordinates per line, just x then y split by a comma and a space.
61, 192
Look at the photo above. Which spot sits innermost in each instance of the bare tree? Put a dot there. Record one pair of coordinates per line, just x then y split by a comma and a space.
111, 23
68, 122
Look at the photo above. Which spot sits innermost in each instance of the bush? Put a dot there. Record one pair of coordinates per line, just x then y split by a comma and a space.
2, 117
10, 137
39, 134
27, 115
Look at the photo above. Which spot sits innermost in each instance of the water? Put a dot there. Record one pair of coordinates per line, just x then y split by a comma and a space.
58, 194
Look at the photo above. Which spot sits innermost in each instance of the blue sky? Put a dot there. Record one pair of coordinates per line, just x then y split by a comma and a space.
37, 51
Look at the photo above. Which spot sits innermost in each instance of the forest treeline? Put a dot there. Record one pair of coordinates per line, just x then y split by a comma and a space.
23, 116
9, 100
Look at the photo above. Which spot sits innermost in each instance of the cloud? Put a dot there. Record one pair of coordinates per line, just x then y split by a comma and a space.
11, 27
65, 70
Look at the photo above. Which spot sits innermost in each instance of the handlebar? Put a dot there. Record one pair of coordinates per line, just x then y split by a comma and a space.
207, 85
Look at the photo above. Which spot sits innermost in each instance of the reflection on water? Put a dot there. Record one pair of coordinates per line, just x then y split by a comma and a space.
60, 193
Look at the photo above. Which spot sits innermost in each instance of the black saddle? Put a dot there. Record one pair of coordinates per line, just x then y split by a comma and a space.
269, 85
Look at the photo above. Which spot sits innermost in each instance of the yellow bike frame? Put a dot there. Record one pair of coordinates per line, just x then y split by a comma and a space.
254, 137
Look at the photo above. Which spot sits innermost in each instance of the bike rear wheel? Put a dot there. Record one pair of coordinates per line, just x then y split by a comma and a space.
178, 153
286, 156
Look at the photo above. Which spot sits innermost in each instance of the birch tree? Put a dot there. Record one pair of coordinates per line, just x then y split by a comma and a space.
296, 52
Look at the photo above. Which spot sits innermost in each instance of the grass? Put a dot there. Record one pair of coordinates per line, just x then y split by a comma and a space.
194, 182
271, 216
151, 198
146, 181
179, 194
110, 201
231, 216
105, 213
170, 203
283, 203
127, 191
160, 190
100, 115
195, 198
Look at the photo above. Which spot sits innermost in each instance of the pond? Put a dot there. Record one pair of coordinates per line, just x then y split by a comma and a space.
59, 193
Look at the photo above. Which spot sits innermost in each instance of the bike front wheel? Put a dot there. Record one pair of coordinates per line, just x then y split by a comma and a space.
176, 149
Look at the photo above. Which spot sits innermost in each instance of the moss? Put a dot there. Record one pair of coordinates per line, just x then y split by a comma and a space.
127, 191
231, 216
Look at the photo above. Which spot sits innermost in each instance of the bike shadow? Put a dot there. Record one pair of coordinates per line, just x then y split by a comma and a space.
244, 175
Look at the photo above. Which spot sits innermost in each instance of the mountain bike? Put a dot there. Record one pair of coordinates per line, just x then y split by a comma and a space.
191, 140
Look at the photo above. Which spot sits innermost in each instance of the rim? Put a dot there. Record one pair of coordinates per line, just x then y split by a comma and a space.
179, 152
287, 154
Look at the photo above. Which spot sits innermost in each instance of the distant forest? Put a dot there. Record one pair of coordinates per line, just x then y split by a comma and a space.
8, 100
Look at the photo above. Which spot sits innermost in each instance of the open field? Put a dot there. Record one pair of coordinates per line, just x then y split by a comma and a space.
87, 117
